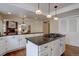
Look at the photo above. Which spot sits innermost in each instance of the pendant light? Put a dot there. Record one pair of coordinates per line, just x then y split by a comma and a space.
9, 13
23, 20
55, 17
38, 11
49, 16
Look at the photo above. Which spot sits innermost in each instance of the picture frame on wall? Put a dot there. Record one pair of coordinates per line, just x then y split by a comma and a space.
11, 27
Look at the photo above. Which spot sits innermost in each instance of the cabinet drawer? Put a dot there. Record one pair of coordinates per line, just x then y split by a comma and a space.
44, 47
46, 52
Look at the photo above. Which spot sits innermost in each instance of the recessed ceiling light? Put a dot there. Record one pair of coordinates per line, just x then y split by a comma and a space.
9, 12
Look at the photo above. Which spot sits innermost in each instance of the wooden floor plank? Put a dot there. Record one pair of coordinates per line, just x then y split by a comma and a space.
69, 51
21, 52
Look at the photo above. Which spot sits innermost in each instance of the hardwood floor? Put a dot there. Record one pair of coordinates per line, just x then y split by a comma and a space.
21, 52
69, 51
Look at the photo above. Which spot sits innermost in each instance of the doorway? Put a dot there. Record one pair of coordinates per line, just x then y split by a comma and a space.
46, 27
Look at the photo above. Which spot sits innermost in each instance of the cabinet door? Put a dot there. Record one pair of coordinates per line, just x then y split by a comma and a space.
73, 25
62, 45
12, 43
46, 52
44, 47
22, 42
2, 46
63, 26
55, 48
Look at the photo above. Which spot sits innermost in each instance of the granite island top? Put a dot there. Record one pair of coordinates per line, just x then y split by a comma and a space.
39, 40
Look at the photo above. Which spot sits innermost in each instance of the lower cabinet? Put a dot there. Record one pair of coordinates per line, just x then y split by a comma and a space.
46, 52
2, 45
12, 43
54, 48
62, 45
22, 42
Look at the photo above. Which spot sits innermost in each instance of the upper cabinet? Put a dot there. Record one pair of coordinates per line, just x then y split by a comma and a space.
1, 27
69, 25
72, 25
78, 24
2, 45
63, 26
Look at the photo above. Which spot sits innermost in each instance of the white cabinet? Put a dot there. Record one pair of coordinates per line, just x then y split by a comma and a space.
12, 43
62, 45
63, 26
32, 49
22, 41
68, 25
35, 50
58, 46
44, 47
72, 25
2, 45
46, 52
53, 48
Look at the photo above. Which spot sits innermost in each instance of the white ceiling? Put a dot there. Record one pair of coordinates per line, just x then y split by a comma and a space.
43, 6
28, 9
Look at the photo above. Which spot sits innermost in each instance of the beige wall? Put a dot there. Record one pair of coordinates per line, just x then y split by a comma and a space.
36, 25
54, 26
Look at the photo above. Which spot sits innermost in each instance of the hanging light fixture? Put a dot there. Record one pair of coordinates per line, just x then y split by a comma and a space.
49, 16
38, 11
23, 20
55, 17
9, 13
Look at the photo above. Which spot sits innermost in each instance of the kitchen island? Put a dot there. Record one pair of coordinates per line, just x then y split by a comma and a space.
46, 45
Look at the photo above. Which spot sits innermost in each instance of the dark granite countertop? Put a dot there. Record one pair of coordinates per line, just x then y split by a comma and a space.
39, 40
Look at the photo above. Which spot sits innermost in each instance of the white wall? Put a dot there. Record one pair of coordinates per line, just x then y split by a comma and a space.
36, 25
68, 26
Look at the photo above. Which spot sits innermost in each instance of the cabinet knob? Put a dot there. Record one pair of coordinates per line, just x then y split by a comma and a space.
51, 49
46, 55
45, 46
26, 41
60, 44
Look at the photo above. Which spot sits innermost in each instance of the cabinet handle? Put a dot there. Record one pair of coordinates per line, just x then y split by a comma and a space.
45, 46
51, 49
60, 44
46, 55
26, 41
